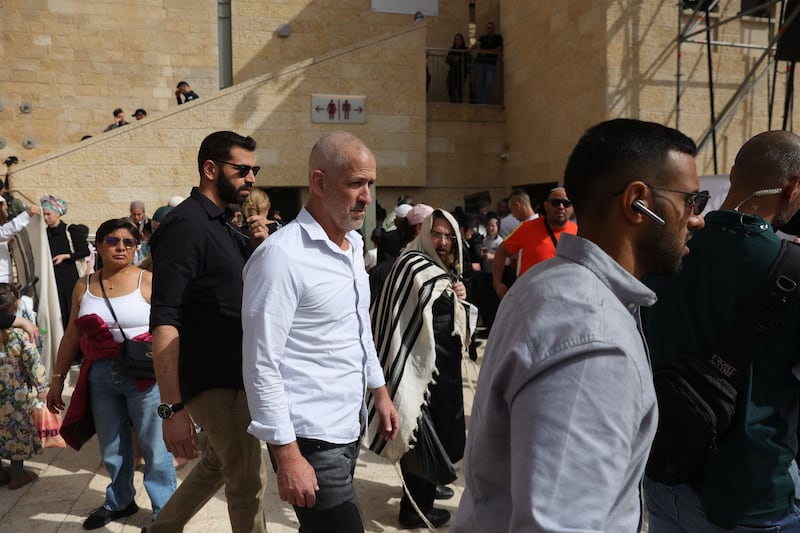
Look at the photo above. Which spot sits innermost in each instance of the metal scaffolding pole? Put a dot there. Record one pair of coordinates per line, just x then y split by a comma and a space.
686, 34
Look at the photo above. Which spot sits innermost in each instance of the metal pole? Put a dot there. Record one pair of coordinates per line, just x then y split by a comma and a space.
747, 85
678, 75
788, 99
711, 91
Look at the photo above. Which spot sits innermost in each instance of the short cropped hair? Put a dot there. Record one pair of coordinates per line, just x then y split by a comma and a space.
217, 147
767, 159
614, 153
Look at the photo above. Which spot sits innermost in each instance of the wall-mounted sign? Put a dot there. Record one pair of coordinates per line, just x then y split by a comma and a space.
429, 8
338, 109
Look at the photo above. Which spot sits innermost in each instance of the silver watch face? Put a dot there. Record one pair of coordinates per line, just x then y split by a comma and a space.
165, 411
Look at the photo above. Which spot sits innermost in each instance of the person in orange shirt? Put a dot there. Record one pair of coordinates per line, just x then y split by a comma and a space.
535, 240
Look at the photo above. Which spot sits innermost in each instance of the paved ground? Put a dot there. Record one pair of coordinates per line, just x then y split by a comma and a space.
72, 484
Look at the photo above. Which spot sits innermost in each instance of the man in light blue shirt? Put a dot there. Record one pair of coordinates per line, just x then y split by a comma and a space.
565, 411
308, 350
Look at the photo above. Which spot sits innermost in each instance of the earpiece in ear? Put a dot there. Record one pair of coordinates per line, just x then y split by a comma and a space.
639, 205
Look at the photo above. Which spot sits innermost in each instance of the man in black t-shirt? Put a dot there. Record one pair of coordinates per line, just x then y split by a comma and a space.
490, 46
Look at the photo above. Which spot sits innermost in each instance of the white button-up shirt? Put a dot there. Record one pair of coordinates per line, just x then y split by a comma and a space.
308, 354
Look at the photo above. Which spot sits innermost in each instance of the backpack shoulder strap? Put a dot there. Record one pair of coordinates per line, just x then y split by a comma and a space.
761, 316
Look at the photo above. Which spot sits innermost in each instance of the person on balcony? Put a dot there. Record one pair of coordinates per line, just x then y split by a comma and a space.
458, 60
490, 46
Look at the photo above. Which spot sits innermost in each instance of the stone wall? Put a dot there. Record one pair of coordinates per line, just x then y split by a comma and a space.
555, 83
155, 159
75, 61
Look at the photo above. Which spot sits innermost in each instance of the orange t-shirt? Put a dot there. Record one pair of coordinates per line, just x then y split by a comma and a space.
532, 244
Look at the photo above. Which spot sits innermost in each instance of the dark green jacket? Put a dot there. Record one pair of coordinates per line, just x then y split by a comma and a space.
729, 259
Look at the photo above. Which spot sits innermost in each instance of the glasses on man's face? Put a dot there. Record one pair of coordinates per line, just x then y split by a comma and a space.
695, 200
555, 202
244, 170
114, 241
439, 236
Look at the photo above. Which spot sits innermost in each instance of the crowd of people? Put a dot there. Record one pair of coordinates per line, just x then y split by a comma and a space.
281, 334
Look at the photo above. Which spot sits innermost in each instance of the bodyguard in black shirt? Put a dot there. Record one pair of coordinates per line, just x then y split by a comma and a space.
198, 255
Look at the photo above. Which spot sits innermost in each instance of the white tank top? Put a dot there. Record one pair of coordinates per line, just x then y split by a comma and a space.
131, 309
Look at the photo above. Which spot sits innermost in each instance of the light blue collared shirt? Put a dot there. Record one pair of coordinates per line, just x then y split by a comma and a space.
565, 412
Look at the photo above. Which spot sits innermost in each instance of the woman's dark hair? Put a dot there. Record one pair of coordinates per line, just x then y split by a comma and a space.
463, 42
9, 295
110, 226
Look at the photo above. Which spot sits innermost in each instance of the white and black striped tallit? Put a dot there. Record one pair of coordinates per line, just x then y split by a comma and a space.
402, 323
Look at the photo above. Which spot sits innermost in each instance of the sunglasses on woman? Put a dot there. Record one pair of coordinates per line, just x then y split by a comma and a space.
114, 241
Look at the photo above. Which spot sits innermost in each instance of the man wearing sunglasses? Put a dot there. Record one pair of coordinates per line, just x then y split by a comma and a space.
565, 409
746, 485
198, 256
534, 240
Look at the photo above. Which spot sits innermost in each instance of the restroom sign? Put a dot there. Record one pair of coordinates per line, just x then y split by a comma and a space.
338, 109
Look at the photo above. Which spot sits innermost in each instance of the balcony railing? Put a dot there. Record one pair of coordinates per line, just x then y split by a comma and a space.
462, 76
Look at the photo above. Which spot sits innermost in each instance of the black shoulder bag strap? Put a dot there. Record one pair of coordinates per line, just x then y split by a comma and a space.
760, 317
550, 232
105, 297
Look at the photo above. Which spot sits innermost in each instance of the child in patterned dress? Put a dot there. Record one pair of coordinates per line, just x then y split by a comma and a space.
21, 371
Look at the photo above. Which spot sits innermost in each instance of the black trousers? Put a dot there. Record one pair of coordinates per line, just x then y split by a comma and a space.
422, 492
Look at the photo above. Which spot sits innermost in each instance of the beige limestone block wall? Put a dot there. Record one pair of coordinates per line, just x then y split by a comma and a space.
156, 159
555, 72
318, 26
643, 64
74, 61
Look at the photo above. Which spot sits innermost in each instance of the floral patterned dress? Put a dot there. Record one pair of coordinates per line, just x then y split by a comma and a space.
22, 375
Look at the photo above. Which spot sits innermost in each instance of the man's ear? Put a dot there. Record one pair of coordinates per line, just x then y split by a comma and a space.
317, 182
210, 170
791, 188
634, 192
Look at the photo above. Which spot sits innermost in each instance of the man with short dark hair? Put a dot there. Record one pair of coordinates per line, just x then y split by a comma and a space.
198, 256
535, 240
309, 357
119, 120
184, 90
746, 485
565, 409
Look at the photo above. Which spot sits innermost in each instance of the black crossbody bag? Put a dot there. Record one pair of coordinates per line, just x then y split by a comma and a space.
135, 357
697, 392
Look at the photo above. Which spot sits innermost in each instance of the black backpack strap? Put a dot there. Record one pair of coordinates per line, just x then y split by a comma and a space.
760, 317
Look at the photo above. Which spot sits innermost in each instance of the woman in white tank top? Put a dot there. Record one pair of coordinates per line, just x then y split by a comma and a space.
104, 396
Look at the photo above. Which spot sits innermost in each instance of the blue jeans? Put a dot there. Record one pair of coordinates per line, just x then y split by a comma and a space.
677, 509
484, 72
116, 403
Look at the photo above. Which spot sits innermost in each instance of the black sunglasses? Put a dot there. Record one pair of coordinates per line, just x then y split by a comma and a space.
555, 202
244, 170
127, 241
695, 200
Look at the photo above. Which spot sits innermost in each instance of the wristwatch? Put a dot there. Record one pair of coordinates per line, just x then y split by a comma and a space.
167, 410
